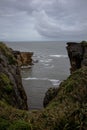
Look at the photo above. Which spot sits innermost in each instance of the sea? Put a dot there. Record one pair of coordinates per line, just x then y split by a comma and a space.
51, 67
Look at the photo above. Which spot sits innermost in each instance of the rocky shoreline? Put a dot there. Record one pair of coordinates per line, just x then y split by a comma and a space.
65, 107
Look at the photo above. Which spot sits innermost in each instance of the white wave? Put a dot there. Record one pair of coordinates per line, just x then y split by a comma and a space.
59, 56
54, 82
45, 60
48, 66
29, 78
26, 67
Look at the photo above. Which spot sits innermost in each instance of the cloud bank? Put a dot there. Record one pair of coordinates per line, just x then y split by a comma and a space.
43, 20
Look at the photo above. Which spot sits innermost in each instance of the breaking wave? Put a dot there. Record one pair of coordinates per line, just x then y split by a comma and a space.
59, 56
54, 82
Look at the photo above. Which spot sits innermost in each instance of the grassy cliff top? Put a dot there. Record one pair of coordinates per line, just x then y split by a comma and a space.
6, 53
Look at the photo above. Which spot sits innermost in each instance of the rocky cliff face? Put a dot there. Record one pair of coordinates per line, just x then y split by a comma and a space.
77, 53
49, 95
66, 109
11, 89
23, 58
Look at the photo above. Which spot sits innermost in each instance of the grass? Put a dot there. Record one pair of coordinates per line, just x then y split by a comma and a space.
67, 110
84, 42
4, 80
8, 53
20, 125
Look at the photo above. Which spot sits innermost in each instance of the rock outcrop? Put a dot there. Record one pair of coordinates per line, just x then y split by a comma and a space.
77, 53
23, 58
66, 111
11, 89
50, 94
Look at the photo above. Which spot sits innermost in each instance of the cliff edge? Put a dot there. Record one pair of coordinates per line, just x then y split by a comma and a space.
11, 89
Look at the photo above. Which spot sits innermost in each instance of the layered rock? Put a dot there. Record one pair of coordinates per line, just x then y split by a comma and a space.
23, 58
77, 53
11, 89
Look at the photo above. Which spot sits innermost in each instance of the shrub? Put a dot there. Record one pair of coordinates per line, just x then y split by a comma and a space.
4, 124
5, 82
8, 53
84, 43
20, 125
11, 60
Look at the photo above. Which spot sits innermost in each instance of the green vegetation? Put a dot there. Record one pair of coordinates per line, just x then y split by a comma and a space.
84, 43
7, 52
4, 49
67, 109
11, 60
20, 125
6, 88
4, 80
4, 124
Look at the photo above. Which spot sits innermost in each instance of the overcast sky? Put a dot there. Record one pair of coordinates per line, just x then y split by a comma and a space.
43, 20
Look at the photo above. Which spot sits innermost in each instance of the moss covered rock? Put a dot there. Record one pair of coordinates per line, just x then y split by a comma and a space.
11, 89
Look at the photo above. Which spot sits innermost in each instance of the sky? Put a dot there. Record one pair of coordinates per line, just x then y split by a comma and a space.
39, 20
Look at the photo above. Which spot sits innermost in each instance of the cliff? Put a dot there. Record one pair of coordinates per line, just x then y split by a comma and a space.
77, 53
11, 89
66, 109
23, 58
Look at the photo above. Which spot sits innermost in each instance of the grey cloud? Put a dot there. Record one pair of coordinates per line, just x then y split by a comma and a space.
60, 19
69, 20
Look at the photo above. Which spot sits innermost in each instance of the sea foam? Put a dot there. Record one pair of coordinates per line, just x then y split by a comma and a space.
59, 56
54, 82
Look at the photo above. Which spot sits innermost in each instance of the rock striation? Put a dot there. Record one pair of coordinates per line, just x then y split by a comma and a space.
77, 53
23, 58
11, 89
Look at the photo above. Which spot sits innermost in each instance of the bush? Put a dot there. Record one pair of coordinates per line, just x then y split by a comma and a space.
11, 60
5, 82
4, 124
20, 125
84, 43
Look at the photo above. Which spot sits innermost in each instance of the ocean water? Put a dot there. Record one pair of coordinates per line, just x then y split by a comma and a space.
51, 69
